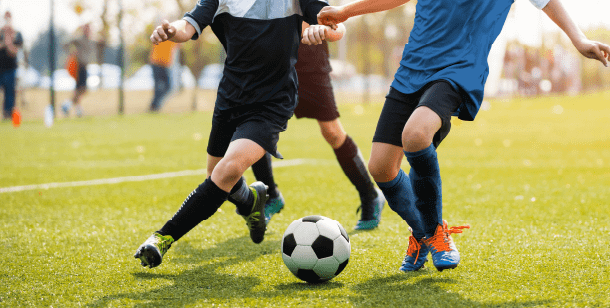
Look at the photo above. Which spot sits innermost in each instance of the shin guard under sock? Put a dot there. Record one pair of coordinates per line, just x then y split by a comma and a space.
426, 182
242, 196
200, 205
399, 194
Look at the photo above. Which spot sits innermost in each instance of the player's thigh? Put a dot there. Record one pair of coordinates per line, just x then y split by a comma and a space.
420, 129
396, 111
385, 161
241, 154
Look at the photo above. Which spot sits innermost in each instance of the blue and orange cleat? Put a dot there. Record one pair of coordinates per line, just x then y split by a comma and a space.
444, 253
417, 255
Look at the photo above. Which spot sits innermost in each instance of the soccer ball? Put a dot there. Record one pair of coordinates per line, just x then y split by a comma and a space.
315, 248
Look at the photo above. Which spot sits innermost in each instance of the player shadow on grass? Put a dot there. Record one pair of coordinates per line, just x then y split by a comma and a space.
412, 290
207, 281
202, 282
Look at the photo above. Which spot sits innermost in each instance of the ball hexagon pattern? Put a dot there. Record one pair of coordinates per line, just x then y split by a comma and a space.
315, 248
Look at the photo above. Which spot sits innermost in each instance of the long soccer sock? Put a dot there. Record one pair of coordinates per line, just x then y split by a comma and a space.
263, 171
401, 199
351, 161
426, 181
200, 205
242, 196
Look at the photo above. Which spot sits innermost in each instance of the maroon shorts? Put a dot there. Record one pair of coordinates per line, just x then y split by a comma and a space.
316, 98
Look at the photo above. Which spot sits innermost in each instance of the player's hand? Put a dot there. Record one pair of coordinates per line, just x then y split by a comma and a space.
314, 34
163, 33
594, 50
331, 16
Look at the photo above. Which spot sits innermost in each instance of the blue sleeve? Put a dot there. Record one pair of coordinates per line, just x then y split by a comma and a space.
310, 9
202, 15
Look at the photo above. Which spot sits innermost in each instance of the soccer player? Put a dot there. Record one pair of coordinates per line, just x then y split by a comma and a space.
442, 73
256, 97
317, 101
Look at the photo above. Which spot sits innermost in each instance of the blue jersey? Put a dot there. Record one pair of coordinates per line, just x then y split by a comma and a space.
450, 41
261, 38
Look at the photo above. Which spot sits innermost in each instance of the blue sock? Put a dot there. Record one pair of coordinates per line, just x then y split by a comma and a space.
400, 198
426, 181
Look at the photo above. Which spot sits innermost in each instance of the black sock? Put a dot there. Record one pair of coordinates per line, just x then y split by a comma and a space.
242, 197
200, 205
263, 172
353, 166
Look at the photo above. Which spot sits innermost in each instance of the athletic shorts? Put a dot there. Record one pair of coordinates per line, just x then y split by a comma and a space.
440, 96
81, 81
316, 97
258, 122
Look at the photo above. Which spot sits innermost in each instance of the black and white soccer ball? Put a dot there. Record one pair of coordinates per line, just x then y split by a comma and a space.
315, 248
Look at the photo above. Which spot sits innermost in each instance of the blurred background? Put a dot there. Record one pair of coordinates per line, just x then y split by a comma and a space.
532, 57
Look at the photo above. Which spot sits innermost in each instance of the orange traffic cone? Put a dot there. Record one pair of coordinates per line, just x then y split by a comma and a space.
16, 118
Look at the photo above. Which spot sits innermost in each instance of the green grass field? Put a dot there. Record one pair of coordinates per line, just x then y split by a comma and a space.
531, 176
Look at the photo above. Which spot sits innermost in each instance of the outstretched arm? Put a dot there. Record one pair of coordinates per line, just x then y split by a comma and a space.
315, 34
333, 15
590, 49
178, 31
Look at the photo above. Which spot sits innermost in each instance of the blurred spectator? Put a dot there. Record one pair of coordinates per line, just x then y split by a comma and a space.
10, 43
161, 58
81, 50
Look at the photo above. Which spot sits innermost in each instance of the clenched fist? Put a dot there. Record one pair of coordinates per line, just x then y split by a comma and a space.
163, 33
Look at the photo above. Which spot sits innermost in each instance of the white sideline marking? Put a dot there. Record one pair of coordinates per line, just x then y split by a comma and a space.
140, 178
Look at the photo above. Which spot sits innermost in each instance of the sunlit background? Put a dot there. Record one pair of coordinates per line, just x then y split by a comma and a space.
531, 56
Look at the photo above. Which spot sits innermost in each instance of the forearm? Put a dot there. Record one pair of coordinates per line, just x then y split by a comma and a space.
558, 14
12, 50
184, 31
362, 7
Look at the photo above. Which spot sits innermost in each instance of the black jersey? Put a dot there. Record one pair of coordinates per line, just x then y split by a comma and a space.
261, 38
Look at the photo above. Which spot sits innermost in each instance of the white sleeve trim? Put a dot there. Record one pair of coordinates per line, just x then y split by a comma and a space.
540, 4
194, 24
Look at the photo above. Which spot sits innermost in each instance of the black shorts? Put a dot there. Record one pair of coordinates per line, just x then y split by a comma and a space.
440, 96
316, 97
259, 122
81, 81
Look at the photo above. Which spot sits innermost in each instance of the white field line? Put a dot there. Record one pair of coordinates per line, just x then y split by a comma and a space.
140, 178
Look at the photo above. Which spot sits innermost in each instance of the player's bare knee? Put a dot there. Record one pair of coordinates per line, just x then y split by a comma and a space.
381, 172
416, 139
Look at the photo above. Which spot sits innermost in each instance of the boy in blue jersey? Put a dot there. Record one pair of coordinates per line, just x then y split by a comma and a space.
442, 73
256, 97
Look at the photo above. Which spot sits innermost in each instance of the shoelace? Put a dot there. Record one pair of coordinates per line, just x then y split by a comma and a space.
441, 240
414, 247
163, 244
252, 218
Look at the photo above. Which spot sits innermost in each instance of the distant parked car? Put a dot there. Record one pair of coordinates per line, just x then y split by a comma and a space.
210, 76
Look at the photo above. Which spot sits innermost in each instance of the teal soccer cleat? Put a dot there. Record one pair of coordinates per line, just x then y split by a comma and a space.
378, 204
273, 206
444, 253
